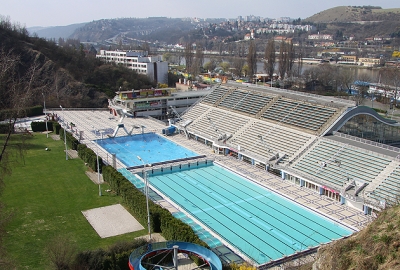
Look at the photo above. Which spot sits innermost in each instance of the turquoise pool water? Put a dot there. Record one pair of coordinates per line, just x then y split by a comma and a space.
151, 147
259, 223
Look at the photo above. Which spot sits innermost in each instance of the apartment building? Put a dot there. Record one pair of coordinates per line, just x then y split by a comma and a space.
139, 61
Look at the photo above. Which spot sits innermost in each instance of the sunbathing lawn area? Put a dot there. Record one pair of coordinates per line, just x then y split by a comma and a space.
45, 195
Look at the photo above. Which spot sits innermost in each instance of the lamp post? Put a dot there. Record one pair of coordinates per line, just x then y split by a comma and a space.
65, 134
98, 164
146, 187
44, 107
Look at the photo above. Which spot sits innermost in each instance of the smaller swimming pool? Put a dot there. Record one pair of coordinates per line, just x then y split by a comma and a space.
151, 147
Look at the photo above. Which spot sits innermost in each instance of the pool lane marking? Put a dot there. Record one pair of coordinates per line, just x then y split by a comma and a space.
253, 218
239, 210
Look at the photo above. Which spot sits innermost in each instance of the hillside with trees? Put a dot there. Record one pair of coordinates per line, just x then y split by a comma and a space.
132, 29
68, 75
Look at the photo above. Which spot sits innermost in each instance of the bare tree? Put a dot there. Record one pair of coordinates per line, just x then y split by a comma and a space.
290, 58
198, 60
237, 65
345, 78
18, 84
283, 55
189, 56
391, 77
252, 60
270, 58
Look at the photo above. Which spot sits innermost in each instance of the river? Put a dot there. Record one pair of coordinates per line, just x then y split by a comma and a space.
359, 72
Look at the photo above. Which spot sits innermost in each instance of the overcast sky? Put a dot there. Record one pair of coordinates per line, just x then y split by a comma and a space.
64, 12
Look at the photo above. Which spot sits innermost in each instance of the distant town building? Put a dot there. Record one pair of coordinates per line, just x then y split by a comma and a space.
370, 62
320, 36
139, 61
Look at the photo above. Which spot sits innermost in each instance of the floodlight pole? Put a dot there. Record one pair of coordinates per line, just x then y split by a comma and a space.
98, 170
98, 166
146, 187
65, 134
44, 107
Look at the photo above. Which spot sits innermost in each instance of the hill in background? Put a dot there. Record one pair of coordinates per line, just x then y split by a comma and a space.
55, 32
357, 22
348, 14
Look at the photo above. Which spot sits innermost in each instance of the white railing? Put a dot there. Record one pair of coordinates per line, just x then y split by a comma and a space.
365, 141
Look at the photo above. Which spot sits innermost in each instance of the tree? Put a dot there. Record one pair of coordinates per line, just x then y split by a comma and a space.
198, 60
210, 65
189, 56
391, 76
225, 66
252, 60
238, 64
283, 61
270, 58
290, 58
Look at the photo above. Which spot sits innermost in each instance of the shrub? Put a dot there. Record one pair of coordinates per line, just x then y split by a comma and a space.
4, 128
56, 127
41, 126
115, 257
89, 157
71, 141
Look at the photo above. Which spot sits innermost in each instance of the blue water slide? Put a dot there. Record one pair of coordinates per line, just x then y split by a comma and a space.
184, 247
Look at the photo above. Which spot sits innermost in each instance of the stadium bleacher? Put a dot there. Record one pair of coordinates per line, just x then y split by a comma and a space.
334, 163
266, 121
389, 190
299, 113
249, 102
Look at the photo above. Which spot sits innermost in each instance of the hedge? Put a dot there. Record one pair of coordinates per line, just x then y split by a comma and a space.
161, 220
27, 112
56, 127
89, 157
41, 126
4, 128
72, 143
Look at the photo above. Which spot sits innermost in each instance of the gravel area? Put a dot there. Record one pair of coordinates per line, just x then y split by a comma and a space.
112, 220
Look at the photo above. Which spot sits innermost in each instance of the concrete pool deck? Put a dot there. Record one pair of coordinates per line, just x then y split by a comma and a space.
88, 121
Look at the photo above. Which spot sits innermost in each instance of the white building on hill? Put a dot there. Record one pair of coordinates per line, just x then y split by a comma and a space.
139, 61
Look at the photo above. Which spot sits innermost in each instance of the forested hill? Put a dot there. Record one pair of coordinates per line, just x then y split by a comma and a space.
69, 76
164, 29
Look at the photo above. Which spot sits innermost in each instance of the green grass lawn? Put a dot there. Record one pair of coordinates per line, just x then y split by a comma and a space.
46, 195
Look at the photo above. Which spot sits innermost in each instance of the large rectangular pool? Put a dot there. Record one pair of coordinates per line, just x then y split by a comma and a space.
151, 147
260, 224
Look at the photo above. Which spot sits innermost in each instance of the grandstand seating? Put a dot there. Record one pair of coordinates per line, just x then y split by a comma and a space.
224, 121
354, 163
299, 113
276, 139
249, 102
389, 189
216, 94
195, 112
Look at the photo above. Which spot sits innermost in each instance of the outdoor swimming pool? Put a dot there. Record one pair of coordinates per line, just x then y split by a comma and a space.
151, 147
259, 223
